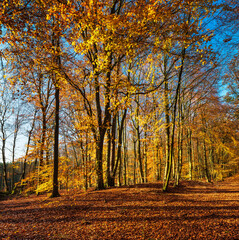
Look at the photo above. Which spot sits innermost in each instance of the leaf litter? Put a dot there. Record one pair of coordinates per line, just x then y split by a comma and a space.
194, 210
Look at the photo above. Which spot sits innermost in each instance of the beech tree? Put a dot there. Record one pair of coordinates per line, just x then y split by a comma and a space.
133, 82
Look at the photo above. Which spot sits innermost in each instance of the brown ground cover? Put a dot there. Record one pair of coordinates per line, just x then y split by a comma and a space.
195, 210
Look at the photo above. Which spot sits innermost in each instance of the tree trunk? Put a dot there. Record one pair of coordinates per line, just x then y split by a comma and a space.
108, 157
17, 126
43, 137
111, 179
55, 192
57, 61
125, 155
6, 188
167, 142
207, 174
158, 164
99, 161
137, 128
86, 163
145, 156
135, 159
189, 147
180, 144
119, 152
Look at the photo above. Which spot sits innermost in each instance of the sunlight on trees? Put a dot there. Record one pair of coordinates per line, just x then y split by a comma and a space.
112, 93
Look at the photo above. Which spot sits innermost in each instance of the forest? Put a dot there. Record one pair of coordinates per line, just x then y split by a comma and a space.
97, 94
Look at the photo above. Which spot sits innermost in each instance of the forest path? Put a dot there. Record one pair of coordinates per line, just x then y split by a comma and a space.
195, 210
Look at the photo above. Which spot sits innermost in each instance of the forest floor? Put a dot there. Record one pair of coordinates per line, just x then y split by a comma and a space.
195, 210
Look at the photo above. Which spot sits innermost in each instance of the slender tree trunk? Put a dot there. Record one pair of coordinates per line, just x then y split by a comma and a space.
180, 143
135, 159
207, 174
200, 165
86, 163
111, 180
120, 139
158, 164
145, 156
55, 192
99, 161
189, 147
120, 172
13, 161
43, 137
57, 61
119, 151
6, 188
67, 157
167, 142
108, 157
139, 155
211, 159
125, 155
137, 128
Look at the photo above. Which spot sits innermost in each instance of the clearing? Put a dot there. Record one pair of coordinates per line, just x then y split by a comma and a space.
195, 210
